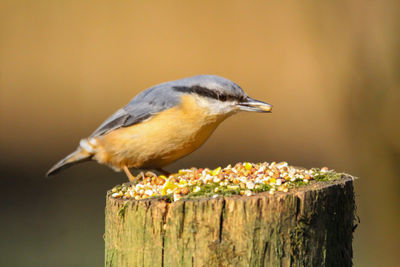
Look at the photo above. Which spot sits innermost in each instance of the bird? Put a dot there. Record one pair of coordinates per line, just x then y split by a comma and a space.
162, 124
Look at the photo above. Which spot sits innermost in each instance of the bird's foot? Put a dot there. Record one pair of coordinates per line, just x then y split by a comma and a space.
142, 175
150, 174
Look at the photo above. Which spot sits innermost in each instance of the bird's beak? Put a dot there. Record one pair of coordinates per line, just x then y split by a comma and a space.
250, 104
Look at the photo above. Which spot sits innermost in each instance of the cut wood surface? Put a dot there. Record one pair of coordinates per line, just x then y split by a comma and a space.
308, 226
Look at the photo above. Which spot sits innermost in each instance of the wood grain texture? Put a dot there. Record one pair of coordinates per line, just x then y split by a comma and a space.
309, 226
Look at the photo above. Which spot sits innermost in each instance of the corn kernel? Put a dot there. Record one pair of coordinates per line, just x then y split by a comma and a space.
216, 171
248, 166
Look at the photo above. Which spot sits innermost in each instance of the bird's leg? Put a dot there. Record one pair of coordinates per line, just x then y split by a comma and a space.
164, 172
129, 174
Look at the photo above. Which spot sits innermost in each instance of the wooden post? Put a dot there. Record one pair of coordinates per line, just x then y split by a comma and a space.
308, 226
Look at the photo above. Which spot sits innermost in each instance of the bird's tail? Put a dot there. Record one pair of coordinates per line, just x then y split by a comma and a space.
79, 155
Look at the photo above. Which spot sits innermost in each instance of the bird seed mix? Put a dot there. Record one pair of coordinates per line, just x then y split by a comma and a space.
242, 179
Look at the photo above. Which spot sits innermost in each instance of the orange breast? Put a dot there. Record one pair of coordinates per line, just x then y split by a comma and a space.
160, 140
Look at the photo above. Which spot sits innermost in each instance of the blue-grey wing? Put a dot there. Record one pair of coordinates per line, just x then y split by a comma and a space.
148, 103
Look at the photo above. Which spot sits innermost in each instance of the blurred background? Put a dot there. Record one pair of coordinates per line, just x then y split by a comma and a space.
331, 70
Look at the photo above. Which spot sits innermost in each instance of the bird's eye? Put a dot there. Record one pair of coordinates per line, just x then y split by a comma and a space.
222, 97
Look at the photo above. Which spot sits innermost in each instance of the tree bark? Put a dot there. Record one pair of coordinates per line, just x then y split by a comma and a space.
308, 226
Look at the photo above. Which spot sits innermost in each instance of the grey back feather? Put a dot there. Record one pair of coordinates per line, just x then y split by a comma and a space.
161, 97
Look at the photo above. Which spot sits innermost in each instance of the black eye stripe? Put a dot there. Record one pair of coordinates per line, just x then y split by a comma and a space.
203, 91
222, 97
197, 90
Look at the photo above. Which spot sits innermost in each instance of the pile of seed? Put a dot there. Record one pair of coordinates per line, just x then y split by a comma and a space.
243, 178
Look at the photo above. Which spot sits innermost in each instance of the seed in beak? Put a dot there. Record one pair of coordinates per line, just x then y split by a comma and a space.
253, 105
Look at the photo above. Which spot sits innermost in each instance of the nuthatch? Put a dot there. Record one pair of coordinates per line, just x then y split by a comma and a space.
162, 124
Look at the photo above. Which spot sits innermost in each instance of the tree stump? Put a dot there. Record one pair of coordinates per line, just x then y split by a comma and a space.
307, 226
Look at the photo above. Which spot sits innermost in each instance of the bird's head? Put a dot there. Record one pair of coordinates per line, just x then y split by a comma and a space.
219, 95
